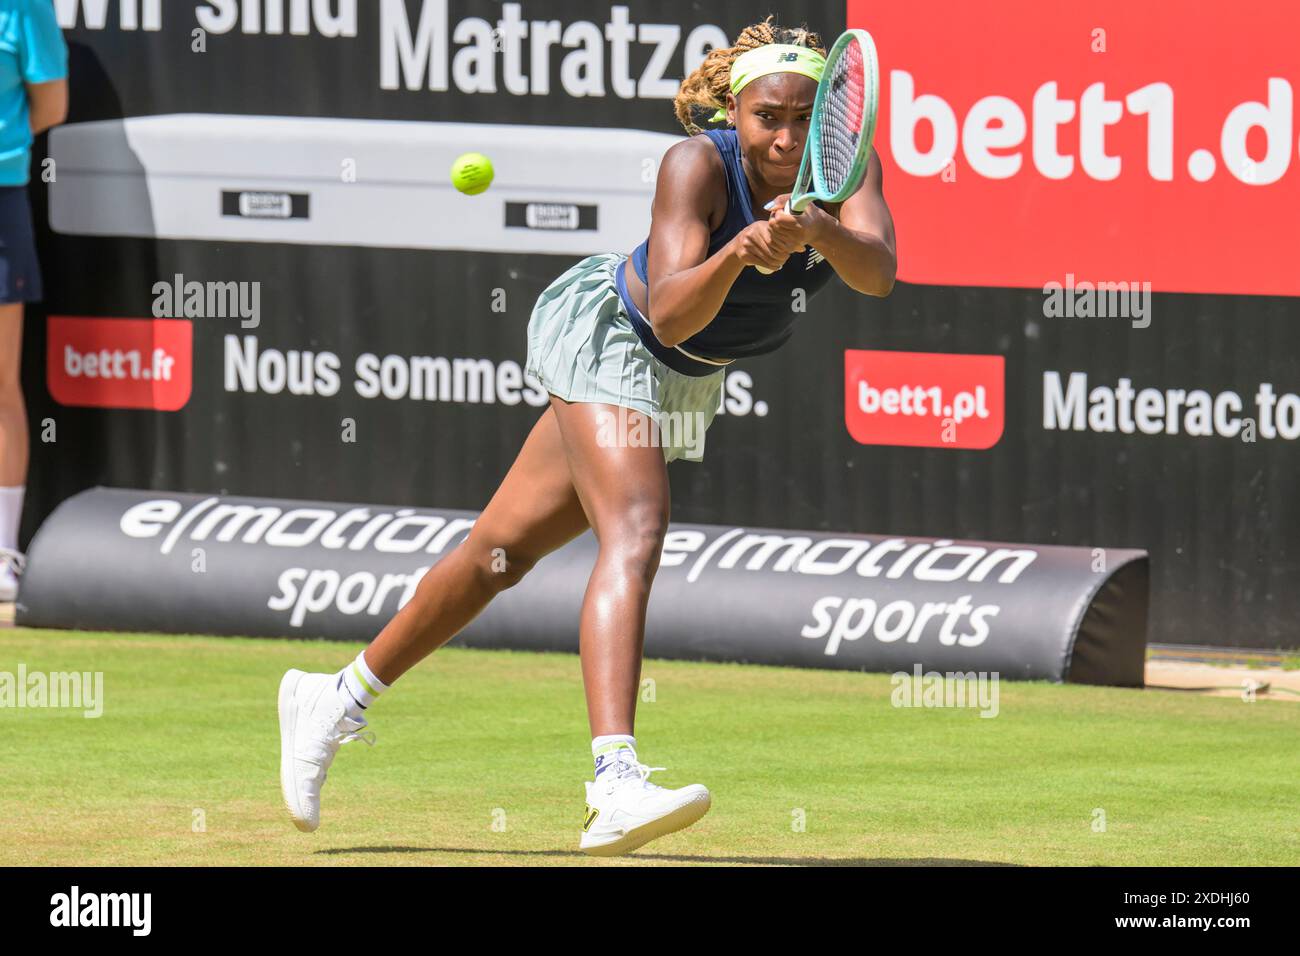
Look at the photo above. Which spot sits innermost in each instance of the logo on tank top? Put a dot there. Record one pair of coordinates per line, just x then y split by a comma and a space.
814, 257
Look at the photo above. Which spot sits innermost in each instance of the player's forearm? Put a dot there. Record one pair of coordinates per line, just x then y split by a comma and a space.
687, 301
866, 263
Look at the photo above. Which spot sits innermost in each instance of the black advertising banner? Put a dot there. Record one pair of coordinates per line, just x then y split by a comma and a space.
149, 561
260, 282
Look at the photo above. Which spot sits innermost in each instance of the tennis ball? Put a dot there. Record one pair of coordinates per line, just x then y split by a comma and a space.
471, 173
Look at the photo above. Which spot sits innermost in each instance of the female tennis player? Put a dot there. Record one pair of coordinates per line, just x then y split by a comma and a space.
622, 343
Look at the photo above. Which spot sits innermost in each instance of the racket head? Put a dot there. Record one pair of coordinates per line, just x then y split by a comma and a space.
842, 126
843, 120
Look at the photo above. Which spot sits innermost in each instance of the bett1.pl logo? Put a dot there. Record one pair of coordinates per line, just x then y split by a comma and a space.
926, 399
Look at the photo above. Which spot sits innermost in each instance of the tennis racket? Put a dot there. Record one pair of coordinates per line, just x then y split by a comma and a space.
843, 123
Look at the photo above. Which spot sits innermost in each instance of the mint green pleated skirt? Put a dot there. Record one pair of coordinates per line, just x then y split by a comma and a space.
582, 348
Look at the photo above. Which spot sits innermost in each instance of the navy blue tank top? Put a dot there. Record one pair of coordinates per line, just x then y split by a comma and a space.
757, 315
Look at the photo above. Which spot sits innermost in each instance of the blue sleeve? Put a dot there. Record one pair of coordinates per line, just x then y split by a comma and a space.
43, 56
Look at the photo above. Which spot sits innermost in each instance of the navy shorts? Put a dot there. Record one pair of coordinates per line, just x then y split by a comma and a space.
20, 273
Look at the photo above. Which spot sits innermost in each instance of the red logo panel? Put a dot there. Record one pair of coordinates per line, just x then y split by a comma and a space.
120, 363
925, 399
1116, 141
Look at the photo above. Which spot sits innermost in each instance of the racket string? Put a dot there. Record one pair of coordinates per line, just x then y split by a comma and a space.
840, 123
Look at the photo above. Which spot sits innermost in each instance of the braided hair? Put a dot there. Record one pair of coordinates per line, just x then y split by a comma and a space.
705, 91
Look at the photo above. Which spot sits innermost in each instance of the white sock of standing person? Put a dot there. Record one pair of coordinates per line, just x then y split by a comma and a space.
11, 513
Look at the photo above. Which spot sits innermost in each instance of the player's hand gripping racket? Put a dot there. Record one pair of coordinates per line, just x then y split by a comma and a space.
843, 122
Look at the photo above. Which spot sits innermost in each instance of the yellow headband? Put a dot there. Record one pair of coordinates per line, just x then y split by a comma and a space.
772, 58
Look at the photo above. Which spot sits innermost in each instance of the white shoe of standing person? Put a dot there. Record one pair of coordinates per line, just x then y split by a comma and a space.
313, 725
12, 564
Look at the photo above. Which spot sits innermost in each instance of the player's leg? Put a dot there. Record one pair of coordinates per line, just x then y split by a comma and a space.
624, 490
623, 486
13, 441
534, 511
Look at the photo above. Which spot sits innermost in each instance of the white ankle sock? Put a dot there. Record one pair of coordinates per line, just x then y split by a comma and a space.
361, 686
11, 513
608, 747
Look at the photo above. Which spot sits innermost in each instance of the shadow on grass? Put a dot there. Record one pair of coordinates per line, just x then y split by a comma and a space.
676, 858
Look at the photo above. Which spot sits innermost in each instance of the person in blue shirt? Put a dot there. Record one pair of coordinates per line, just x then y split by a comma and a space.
33, 97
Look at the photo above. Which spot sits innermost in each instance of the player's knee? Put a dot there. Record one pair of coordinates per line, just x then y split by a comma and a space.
637, 543
501, 567
11, 392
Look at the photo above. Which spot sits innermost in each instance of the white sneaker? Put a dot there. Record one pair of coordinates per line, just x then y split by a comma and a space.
625, 810
12, 564
313, 725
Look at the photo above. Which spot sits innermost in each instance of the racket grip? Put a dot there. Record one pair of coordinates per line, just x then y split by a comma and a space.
768, 272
